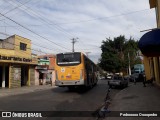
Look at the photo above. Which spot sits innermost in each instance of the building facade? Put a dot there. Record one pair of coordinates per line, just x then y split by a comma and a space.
45, 72
17, 64
150, 47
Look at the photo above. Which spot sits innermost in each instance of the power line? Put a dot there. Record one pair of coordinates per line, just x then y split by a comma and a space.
32, 31
101, 18
31, 42
34, 49
90, 48
16, 7
23, 26
59, 28
92, 19
37, 44
49, 22
89, 20
19, 46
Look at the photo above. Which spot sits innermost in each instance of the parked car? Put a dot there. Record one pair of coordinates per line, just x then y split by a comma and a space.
119, 81
109, 76
102, 78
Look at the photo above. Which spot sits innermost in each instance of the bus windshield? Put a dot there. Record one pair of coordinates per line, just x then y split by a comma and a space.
68, 59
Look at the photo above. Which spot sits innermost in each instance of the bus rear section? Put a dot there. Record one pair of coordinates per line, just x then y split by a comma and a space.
69, 70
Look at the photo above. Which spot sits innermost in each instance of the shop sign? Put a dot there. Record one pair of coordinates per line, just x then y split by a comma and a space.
2, 57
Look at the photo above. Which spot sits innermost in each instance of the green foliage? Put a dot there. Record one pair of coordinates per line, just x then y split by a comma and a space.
114, 57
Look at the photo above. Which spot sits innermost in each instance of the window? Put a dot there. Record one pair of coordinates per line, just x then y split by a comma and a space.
23, 46
68, 59
46, 58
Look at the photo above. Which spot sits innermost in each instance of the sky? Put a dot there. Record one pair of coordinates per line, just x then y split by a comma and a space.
51, 24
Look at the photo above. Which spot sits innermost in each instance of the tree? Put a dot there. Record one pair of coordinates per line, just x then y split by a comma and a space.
114, 57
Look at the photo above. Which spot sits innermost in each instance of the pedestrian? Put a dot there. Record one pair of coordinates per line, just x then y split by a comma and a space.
51, 78
41, 78
141, 77
144, 80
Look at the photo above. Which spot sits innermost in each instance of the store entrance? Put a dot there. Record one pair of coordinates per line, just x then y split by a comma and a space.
7, 76
4, 76
24, 75
1, 72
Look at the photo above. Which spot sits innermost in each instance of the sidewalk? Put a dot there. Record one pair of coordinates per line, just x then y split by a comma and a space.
26, 89
136, 98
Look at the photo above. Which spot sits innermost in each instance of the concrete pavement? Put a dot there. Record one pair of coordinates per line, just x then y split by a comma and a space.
22, 90
136, 98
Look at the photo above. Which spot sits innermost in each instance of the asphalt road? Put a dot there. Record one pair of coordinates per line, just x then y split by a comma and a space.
59, 99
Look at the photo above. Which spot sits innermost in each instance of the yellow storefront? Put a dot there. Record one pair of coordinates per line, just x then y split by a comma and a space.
17, 65
151, 47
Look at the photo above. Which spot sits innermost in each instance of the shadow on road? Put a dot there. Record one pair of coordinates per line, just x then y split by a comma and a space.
79, 90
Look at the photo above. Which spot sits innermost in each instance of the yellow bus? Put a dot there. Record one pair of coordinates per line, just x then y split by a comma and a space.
75, 69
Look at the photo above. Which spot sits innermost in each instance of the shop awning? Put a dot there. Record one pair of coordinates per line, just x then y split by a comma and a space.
149, 43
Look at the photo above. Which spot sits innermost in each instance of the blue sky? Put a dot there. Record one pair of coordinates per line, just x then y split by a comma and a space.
56, 22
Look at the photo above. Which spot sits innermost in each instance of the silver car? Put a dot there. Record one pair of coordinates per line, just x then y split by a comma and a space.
118, 81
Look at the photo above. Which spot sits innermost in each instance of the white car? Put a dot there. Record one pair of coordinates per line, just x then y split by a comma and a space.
109, 76
101, 78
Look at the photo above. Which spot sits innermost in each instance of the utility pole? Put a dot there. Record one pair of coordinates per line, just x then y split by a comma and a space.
129, 67
74, 40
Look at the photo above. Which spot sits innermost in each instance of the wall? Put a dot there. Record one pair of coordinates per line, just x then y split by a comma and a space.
1, 43
7, 52
36, 77
13, 50
15, 76
158, 13
22, 53
32, 75
12, 55
52, 62
9, 43
147, 67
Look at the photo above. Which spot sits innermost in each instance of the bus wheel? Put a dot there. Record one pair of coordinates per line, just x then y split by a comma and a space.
71, 88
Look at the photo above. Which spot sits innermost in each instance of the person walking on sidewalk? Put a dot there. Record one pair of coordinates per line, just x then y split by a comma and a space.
50, 77
41, 78
144, 80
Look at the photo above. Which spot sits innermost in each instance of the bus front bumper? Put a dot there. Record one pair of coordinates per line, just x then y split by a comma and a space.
68, 82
